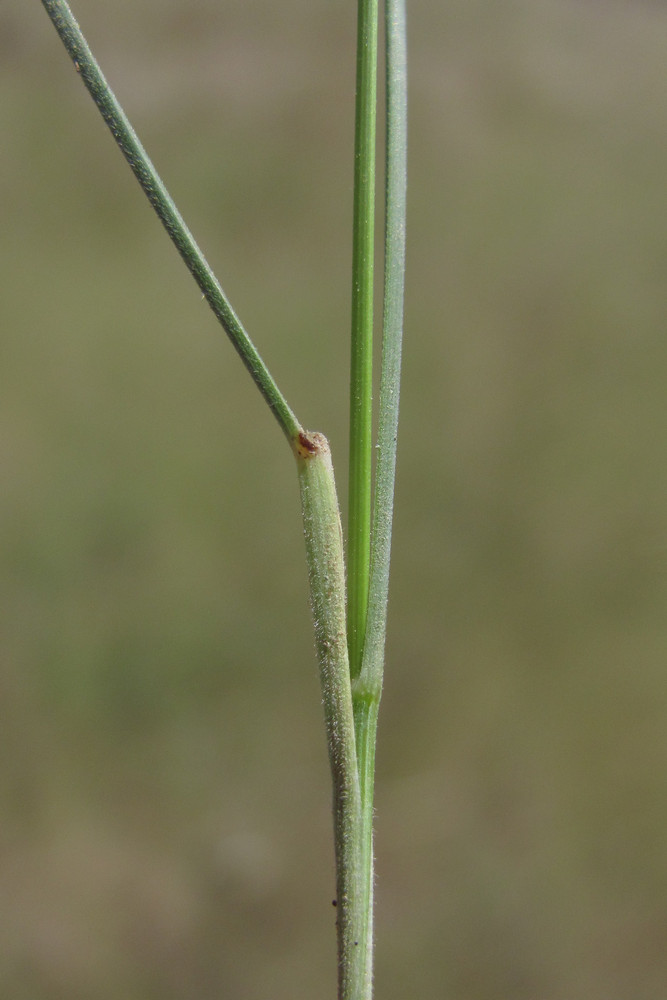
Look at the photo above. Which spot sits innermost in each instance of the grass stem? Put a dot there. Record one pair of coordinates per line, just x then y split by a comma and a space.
370, 679
350, 642
361, 367
367, 686
326, 574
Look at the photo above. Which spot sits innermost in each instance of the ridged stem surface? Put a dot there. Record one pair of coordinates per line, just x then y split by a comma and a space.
326, 573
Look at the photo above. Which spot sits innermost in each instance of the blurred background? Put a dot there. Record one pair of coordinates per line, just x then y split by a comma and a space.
164, 789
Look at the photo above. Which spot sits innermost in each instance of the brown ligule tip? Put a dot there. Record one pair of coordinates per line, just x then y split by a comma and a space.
309, 443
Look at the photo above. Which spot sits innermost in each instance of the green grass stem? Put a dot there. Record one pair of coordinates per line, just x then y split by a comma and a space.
361, 367
349, 641
326, 574
157, 194
367, 686
370, 678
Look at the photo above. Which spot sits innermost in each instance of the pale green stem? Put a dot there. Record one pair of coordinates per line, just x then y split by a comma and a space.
370, 679
367, 687
143, 169
326, 573
350, 706
361, 369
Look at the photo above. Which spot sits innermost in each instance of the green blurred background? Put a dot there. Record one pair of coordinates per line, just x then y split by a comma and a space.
164, 797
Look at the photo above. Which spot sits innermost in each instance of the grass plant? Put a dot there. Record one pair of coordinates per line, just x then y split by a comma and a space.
349, 614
